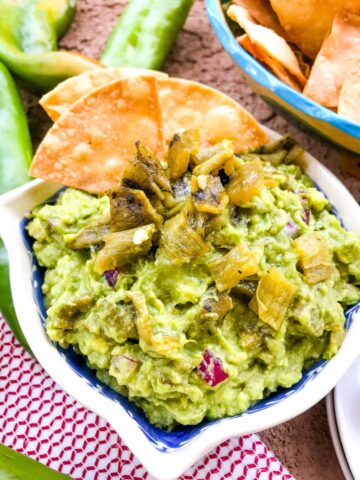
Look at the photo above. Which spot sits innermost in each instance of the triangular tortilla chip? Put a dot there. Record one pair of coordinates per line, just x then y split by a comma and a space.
349, 99
275, 66
59, 100
90, 145
269, 44
186, 104
307, 22
339, 53
263, 14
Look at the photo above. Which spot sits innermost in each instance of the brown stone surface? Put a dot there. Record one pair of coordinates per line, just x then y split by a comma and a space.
304, 443
304, 446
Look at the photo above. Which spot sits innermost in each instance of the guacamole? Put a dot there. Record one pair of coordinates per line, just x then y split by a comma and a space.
201, 284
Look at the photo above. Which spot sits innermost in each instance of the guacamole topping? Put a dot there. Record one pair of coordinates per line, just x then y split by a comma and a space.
201, 284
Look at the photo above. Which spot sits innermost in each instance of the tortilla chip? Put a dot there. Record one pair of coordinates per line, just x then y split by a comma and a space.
339, 53
90, 145
263, 14
307, 22
349, 99
269, 44
185, 104
59, 100
274, 66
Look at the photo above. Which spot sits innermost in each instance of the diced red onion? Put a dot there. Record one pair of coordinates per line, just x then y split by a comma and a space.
290, 229
306, 216
111, 276
211, 370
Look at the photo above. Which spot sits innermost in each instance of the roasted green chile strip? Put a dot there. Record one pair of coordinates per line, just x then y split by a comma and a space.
15, 466
145, 33
15, 158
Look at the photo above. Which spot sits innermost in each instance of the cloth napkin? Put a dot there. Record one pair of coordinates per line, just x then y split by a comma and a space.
38, 419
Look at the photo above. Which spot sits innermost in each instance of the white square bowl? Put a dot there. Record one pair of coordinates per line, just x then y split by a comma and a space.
165, 455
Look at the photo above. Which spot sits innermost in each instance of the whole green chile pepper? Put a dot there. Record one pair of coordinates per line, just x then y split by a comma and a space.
35, 25
6, 303
15, 159
15, 144
38, 35
15, 466
145, 33
61, 13
43, 71
29, 30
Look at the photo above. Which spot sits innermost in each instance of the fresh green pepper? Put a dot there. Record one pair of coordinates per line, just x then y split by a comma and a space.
61, 13
15, 158
35, 25
44, 71
145, 33
29, 30
44, 22
15, 466
15, 144
6, 303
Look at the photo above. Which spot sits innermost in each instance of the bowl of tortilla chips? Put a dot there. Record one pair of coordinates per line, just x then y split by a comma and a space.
301, 56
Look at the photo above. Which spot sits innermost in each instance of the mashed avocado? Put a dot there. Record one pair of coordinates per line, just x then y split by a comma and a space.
201, 285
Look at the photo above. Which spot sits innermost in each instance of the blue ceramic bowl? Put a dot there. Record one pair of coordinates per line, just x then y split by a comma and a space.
331, 126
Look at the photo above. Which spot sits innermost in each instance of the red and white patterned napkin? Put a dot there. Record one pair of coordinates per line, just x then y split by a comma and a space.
38, 419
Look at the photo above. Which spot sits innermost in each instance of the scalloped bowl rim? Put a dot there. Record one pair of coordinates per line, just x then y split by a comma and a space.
266, 79
172, 463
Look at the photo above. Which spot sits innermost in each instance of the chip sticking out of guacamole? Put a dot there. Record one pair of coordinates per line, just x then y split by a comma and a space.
203, 282
88, 147
105, 113
59, 100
